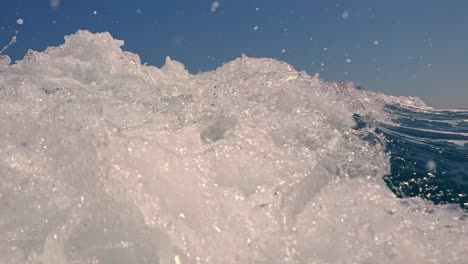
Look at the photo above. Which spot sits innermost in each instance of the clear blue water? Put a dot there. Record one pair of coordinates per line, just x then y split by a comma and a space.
429, 154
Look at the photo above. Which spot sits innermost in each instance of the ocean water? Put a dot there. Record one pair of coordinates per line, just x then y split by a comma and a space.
106, 160
429, 154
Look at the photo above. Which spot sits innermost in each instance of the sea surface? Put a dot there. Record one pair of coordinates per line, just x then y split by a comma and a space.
106, 160
429, 154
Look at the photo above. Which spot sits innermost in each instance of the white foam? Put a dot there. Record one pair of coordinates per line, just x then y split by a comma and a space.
460, 143
446, 133
106, 160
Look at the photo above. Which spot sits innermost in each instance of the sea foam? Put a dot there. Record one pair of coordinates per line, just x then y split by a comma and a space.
106, 160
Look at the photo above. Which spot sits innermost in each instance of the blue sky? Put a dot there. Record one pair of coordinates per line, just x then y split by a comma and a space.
399, 47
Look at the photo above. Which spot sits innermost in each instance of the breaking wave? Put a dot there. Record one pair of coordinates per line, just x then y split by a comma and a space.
106, 160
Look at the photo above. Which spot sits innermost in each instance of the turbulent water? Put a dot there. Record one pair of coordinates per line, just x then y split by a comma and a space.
106, 160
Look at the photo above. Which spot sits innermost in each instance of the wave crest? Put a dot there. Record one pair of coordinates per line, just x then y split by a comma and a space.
108, 160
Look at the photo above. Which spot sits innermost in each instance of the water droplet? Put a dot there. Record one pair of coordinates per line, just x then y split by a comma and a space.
345, 14
214, 6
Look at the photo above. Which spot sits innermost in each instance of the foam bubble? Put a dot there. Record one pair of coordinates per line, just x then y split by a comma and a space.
107, 160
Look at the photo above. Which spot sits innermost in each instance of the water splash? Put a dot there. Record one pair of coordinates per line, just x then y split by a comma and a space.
106, 160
